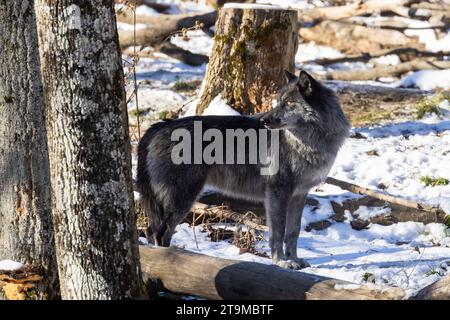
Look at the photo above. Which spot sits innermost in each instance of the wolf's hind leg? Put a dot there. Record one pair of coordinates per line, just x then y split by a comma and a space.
174, 202
175, 220
293, 222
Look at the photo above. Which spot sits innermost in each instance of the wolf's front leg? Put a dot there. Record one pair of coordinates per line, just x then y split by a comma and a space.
276, 206
293, 222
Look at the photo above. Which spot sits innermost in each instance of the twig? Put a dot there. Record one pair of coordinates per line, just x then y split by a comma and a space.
193, 228
222, 212
135, 60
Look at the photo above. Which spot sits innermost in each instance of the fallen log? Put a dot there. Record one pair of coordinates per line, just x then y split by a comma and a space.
405, 54
384, 196
350, 38
159, 28
190, 58
126, 15
395, 24
438, 5
388, 71
398, 213
357, 8
191, 273
439, 290
402, 8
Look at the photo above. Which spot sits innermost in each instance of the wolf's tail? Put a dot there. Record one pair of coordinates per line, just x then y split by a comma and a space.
148, 200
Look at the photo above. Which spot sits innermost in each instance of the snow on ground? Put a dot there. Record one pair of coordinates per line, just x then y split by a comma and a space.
427, 79
404, 153
410, 255
9, 265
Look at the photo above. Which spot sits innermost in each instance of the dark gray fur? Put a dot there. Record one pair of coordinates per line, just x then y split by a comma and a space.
312, 129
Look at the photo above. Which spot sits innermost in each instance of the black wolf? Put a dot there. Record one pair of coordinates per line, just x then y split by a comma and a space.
311, 128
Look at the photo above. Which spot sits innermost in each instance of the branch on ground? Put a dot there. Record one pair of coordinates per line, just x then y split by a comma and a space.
387, 71
405, 54
160, 28
192, 59
357, 39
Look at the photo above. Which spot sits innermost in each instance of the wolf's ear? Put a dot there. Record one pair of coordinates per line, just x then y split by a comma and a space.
289, 76
304, 83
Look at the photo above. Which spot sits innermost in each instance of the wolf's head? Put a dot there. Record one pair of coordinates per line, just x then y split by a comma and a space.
305, 104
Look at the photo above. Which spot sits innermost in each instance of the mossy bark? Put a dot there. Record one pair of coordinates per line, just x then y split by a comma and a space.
251, 49
26, 230
89, 148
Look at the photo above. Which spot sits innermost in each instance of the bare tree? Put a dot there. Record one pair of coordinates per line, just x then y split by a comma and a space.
89, 148
26, 231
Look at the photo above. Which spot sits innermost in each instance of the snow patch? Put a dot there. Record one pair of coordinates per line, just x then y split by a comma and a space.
121, 26
10, 265
191, 108
428, 37
197, 42
219, 107
390, 59
144, 10
366, 213
427, 79
311, 51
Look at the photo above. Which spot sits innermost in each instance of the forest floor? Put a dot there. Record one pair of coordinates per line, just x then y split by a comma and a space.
407, 156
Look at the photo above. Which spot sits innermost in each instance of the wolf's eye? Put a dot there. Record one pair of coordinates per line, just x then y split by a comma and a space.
290, 104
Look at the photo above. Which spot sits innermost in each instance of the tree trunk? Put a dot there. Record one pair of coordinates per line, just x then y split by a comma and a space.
89, 148
251, 49
26, 230
192, 273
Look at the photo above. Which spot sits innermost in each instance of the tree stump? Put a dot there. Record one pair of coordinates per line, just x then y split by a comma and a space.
252, 46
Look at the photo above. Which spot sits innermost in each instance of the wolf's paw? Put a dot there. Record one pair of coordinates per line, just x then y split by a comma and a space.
295, 264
